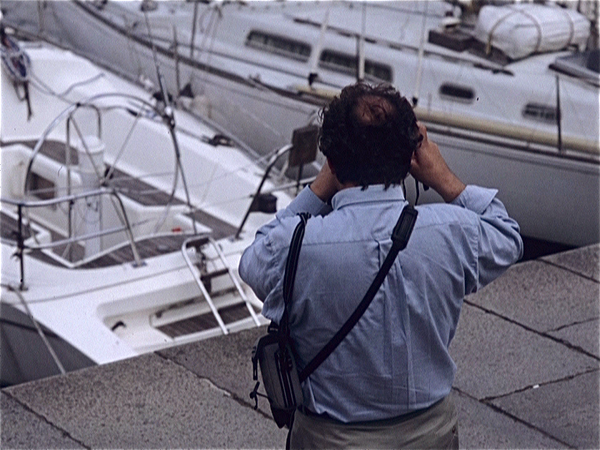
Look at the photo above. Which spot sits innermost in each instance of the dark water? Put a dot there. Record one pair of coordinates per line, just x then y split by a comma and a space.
536, 248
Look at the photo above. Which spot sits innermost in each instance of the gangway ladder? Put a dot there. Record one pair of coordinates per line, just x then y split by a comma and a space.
197, 242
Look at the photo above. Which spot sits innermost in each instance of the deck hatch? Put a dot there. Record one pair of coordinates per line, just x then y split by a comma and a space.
206, 321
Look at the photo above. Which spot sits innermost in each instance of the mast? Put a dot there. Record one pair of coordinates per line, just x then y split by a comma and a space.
419, 75
313, 74
194, 20
558, 116
361, 44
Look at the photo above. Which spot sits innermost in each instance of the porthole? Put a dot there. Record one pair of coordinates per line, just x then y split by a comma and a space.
456, 92
345, 63
539, 112
280, 45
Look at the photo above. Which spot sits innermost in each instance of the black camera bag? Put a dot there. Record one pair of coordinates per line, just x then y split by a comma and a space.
275, 356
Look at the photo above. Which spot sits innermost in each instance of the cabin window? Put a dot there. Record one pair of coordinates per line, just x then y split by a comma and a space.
542, 113
345, 63
280, 45
457, 93
41, 187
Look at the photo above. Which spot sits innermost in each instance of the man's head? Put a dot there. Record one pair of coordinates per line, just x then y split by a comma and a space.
369, 135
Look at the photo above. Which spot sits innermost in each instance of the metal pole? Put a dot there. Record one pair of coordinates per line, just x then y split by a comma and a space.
271, 164
176, 57
419, 75
558, 116
136, 256
20, 249
41, 27
194, 20
69, 163
314, 59
361, 45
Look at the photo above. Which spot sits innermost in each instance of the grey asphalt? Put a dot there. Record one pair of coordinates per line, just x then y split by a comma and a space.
527, 351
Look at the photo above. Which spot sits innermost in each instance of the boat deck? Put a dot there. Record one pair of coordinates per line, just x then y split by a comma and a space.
135, 189
147, 248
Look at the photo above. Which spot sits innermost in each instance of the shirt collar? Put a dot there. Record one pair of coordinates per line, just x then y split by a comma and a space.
374, 193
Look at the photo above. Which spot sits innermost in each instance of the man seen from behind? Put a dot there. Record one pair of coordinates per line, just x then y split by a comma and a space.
387, 384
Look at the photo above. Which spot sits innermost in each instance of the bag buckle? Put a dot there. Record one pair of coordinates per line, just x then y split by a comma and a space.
255, 394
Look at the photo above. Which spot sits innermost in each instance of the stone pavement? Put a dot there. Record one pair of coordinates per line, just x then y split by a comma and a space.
527, 351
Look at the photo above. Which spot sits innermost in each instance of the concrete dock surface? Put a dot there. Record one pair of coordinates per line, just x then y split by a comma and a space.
527, 351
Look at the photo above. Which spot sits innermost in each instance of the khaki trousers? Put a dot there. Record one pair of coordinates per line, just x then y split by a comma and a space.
435, 428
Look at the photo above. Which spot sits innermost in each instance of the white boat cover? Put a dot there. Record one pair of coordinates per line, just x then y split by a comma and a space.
523, 29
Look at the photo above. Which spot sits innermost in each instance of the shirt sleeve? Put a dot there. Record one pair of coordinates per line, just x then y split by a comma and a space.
263, 263
499, 243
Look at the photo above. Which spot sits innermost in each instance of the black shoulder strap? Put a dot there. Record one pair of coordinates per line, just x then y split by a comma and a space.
400, 236
291, 266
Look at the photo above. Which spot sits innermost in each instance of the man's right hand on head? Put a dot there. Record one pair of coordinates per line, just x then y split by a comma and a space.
429, 167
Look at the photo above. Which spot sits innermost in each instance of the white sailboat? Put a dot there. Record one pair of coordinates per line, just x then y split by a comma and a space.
527, 125
121, 218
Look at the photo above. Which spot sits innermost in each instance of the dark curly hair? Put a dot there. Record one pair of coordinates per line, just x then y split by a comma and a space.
369, 134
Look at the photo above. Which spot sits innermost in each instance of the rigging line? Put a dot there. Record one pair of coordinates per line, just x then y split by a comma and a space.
206, 31
209, 36
403, 28
133, 52
246, 150
419, 75
75, 230
265, 90
169, 204
566, 98
203, 184
44, 89
122, 149
121, 214
86, 148
74, 85
247, 197
48, 90
154, 52
169, 120
55, 358
79, 213
210, 181
236, 105
222, 176
213, 35
125, 176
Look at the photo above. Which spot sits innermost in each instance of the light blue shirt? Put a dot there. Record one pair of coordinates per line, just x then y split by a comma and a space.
395, 360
